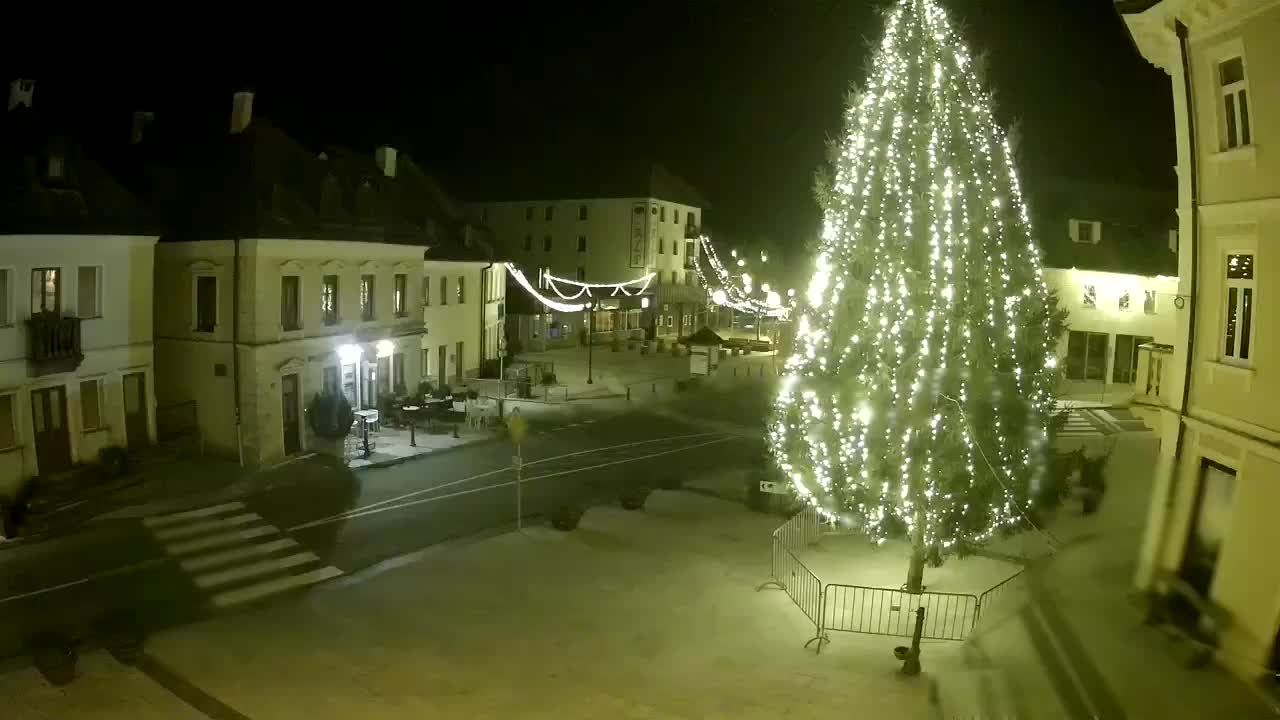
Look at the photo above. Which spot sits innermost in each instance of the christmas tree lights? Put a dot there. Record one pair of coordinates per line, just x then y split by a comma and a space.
919, 395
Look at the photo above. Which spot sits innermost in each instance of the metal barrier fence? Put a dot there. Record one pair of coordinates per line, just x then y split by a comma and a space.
872, 610
880, 611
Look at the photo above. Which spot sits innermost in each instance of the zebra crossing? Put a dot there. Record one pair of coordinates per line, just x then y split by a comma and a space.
235, 556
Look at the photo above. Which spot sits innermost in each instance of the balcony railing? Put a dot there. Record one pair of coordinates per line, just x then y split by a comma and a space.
53, 343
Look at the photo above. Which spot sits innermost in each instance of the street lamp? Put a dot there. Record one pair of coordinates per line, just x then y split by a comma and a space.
591, 330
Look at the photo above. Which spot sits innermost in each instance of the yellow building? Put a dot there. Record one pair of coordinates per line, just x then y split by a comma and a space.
1215, 397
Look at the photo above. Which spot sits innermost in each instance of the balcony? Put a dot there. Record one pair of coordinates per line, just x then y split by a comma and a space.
53, 343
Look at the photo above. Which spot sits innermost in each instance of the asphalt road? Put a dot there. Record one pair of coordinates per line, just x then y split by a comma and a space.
319, 521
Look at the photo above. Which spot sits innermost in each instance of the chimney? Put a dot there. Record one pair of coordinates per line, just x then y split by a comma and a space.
141, 120
20, 92
241, 111
385, 156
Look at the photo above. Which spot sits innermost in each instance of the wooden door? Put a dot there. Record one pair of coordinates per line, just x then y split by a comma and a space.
49, 423
290, 413
135, 410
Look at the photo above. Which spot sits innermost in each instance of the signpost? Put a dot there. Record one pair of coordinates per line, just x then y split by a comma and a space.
518, 427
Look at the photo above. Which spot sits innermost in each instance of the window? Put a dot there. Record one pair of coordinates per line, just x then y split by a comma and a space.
6, 297
688, 278
444, 291
1088, 232
397, 373
53, 167
1090, 297
1235, 103
582, 274
426, 291
662, 246
546, 243
46, 290
549, 212
582, 212
691, 220
582, 243
1149, 302
662, 213
462, 289
89, 291
90, 404
675, 247
400, 301
675, 216
528, 242
367, 309
8, 426
206, 303
528, 213
1125, 367
289, 290
1086, 355
329, 380
1238, 326
1122, 304
329, 299
675, 275
426, 363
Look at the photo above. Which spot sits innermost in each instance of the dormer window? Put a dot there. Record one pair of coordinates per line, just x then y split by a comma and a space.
53, 167
1087, 232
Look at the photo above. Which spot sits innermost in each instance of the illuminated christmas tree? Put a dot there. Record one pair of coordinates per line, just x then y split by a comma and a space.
918, 399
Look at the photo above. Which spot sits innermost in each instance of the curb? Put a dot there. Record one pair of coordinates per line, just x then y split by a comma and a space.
420, 456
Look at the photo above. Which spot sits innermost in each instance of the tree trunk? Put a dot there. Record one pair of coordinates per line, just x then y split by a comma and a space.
915, 573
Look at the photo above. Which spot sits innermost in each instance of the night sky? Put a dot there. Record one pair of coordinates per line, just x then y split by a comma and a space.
737, 96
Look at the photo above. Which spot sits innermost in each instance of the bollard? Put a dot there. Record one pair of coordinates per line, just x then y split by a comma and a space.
735, 371
628, 393
413, 440
654, 388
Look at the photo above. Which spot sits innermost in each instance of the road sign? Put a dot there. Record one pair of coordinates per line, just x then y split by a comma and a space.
517, 426
773, 488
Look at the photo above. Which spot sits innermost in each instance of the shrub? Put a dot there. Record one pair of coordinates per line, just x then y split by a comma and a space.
114, 461
330, 415
122, 636
633, 498
567, 517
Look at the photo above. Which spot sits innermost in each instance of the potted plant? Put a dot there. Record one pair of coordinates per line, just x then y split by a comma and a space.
567, 516
633, 498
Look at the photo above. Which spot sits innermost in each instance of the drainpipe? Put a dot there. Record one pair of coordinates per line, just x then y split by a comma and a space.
1181, 30
235, 342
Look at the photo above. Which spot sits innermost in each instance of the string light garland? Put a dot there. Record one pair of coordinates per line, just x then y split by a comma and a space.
637, 286
523, 281
727, 292
918, 398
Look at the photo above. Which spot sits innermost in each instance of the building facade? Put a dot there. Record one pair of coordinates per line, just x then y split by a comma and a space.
463, 310
75, 345
287, 273
645, 223
1211, 524
1110, 254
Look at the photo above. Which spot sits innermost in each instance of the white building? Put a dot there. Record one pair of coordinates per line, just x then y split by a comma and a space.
1211, 529
75, 345
1110, 253
288, 273
463, 306
637, 222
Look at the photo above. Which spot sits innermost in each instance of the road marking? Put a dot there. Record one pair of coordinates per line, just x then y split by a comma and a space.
213, 541
361, 512
451, 483
156, 521
182, 531
271, 587
123, 569
224, 557
254, 569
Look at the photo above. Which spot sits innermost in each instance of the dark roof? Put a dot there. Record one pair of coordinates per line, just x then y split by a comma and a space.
600, 176
1129, 7
83, 200
705, 336
1135, 226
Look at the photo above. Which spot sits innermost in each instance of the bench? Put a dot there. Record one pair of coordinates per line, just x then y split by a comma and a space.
1173, 597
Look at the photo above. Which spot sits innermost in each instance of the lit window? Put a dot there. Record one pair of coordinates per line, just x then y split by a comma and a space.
1123, 303
1238, 323
462, 289
1149, 302
46, 290
401, 298
1090, 298
367, 309
329, 299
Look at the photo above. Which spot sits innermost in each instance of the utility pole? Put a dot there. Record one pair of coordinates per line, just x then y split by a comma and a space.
518, 427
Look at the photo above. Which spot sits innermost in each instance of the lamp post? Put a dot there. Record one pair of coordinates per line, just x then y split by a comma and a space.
591, 330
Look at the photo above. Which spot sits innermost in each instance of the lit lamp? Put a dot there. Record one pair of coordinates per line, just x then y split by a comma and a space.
385, 348
349, 354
